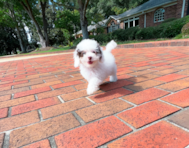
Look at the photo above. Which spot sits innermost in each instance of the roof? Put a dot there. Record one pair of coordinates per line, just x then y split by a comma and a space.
146, 6
91, 27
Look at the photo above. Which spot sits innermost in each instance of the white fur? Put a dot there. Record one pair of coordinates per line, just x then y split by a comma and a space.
102, 65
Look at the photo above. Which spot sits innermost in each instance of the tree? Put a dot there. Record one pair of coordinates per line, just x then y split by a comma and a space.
81, 6
8, 12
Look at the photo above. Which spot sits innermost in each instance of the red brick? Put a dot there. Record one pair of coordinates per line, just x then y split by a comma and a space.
162, 67
103, 109
81, 86
166, 71
124, 76
142, 78
5, 98
124, 72
147, 113
116, 93
66, 84
161, 134
3, 113
15, 102
98, 133
144, 85
74, 95
145, 95
142, 68
176, 85
13, 91
65, 107
55, 92
38, 81
41, 144
180, 98
45, 84
1, 139
34, 105
31, 92
170, 77
19, 121
5, 88
11, 84
42, 130
114, 85
142, 72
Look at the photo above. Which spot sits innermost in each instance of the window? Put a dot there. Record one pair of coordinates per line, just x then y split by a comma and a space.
132, 22
113, 27
126, 25
159, 15
136, 22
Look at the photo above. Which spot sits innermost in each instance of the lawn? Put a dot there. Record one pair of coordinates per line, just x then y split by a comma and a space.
53, 50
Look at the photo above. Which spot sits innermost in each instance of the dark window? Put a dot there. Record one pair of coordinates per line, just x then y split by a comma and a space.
136, 22
131, 24
126, 25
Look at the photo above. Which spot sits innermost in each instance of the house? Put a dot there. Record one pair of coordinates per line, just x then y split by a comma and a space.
151, 13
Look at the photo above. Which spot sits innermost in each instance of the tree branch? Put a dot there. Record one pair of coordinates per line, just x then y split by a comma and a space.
70, 7
85, 7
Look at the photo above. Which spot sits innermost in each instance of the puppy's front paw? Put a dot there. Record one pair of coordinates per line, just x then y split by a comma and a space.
91, 90
113, 78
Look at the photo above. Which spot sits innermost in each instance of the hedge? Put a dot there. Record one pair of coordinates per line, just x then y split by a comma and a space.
169, 29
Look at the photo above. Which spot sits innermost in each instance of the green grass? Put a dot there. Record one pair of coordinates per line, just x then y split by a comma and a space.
53, 50
138, 41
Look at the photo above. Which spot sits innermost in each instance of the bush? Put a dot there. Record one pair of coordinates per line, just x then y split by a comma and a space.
127, 34
169, 29
169, 20
164, 30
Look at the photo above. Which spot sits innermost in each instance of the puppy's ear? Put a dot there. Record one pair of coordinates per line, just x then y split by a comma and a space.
76, 58
101, 53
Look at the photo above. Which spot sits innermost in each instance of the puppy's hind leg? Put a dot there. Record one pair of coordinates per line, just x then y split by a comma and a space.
93, 85
113, 77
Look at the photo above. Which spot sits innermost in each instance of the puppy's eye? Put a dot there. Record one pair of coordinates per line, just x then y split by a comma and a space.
94, 52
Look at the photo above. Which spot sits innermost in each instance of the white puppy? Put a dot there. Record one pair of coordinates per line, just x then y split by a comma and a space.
95, 64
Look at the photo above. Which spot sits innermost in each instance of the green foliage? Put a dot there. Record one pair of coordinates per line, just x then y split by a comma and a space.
127, 34
169, 20
164, 30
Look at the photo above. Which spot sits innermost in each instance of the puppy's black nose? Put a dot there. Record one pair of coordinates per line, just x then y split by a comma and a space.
90, 58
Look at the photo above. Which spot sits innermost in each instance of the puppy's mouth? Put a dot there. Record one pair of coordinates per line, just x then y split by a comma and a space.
90, 62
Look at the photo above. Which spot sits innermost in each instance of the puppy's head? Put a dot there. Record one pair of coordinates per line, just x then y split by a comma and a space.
88, 53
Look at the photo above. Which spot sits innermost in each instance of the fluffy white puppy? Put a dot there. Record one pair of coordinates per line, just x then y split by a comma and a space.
95, 64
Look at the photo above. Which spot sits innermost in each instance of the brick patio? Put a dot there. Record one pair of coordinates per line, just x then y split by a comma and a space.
43, 102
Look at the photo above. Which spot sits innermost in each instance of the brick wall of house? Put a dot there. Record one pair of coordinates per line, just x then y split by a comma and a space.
170, 12
112, 20
122, 25
179, 8
141, 21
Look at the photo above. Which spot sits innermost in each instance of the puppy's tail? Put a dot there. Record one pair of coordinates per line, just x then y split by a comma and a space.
111, 45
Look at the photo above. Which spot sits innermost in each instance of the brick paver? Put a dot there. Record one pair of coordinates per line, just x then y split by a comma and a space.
98, 133
42, 130
145, 95
182, 118
44, 103
162, 134
40, 144
147, 113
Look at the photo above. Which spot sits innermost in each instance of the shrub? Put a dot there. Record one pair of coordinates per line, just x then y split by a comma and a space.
169, 20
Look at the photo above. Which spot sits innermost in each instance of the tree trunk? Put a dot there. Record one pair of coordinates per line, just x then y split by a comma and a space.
84, 28
20, 39
17, 30
29, 11
45, 24
83, 19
